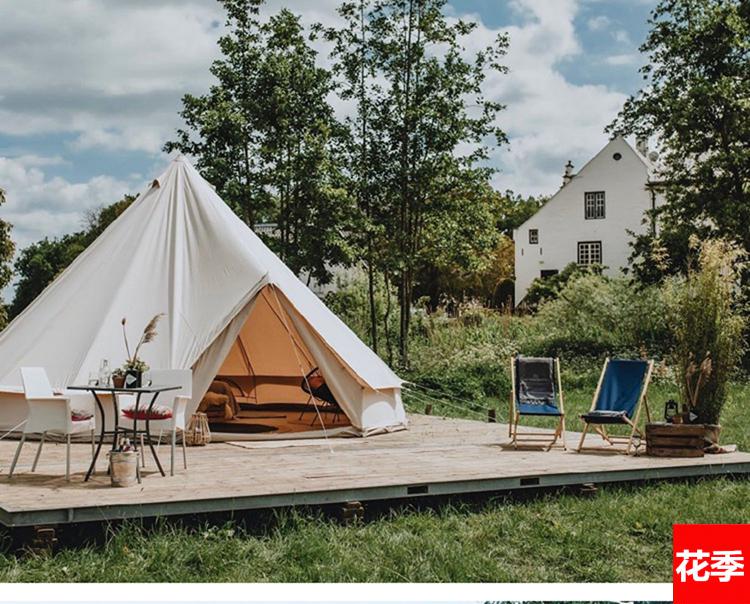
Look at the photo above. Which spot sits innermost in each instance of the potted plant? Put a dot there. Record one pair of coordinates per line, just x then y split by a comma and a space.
118, 377
134, 367
708, 321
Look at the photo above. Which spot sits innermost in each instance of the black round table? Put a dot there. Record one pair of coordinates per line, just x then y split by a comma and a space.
154, 390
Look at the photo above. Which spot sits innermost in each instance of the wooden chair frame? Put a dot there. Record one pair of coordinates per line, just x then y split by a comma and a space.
535, 438
601, 429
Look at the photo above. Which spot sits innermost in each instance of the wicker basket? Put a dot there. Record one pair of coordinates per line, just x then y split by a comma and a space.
198, 433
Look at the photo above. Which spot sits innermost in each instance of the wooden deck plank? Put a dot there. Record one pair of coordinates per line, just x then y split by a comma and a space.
449, 455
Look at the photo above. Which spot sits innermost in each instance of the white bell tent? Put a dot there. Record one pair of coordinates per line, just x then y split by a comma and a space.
231, 307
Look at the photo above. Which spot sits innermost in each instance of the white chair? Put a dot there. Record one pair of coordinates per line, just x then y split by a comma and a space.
48, 414
178, 403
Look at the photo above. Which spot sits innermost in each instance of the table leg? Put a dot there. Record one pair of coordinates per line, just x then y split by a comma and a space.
135, 420
101, 437
148, 434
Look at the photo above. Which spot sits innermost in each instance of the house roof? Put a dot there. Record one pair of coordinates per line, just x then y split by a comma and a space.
651, 168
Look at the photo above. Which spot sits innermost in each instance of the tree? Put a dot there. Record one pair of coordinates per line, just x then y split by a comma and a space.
696, 101
220, 127
297, 133
429, 106
7, 248
38, 264
266, 137
364, 146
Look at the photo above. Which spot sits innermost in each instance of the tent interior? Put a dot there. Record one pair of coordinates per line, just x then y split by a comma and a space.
259, 387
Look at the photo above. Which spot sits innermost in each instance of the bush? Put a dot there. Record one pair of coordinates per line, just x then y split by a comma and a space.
544, 289
596, 316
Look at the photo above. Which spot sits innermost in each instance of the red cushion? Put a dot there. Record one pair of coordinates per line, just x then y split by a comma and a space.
157, 412
80, 416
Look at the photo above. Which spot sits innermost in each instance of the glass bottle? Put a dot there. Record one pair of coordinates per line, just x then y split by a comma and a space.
104, 373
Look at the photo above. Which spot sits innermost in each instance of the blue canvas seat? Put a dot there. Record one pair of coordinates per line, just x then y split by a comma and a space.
536, 390
621, 391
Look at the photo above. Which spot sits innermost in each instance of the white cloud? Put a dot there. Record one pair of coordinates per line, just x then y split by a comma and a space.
41, 206
112, 77
549, 120
622, 59
598, 23
622, 37
110, 72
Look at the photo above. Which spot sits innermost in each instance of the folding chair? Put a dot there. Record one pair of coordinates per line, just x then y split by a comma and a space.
536, 390
315, 386
619, 396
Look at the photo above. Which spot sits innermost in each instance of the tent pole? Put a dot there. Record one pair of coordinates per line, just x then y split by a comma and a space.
282, 316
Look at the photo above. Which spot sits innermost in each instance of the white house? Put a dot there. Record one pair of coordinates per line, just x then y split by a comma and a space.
588, 219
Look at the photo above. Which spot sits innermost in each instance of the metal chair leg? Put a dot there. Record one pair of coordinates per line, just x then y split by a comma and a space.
67, 458
143, 457
38, 452
184, 450
174, 442
16, 456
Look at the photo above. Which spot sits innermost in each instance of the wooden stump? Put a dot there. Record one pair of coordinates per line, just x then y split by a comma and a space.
674, 440
198, 433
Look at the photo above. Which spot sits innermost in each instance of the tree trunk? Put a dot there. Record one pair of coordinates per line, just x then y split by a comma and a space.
371, 299
387, 318
403, 286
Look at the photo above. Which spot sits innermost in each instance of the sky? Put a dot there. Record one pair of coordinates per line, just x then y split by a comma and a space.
90, 90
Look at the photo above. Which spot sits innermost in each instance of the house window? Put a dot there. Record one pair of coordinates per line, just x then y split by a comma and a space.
589, 252
594, 205
533, 236
549, 272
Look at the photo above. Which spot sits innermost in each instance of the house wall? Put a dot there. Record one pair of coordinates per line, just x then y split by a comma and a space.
561, 221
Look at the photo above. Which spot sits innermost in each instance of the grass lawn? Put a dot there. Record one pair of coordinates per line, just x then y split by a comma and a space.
623, 534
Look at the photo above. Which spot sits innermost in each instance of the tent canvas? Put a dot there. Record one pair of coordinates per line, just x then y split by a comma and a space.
180, 250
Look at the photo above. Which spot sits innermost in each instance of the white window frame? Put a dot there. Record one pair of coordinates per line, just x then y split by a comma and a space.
590, 252
594, 205
533, 236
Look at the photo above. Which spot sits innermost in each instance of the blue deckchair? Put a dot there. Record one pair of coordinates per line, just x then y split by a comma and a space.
619, 395
536, 390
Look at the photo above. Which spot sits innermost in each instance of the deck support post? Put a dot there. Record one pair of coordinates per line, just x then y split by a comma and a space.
588, 489
43, 538
351, 512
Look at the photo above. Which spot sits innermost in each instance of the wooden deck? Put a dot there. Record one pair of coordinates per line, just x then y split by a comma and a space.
434, 457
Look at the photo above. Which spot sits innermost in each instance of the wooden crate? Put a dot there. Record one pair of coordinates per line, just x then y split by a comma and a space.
675, 440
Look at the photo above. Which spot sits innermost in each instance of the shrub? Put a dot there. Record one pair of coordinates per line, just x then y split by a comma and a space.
708, 321
595, 316
544, 289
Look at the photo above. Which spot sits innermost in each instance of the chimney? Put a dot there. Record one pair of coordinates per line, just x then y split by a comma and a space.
641, 144
568, 176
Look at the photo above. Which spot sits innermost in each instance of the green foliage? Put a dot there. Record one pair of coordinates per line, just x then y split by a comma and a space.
7, 248
266, 137
38, 264
515, 209
419, 104
696, 101
598, 316
548, 288
708, 321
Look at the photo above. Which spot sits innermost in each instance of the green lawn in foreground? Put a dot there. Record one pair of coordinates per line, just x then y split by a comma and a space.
622, 534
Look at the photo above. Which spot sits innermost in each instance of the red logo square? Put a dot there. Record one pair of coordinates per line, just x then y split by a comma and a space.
709, 563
